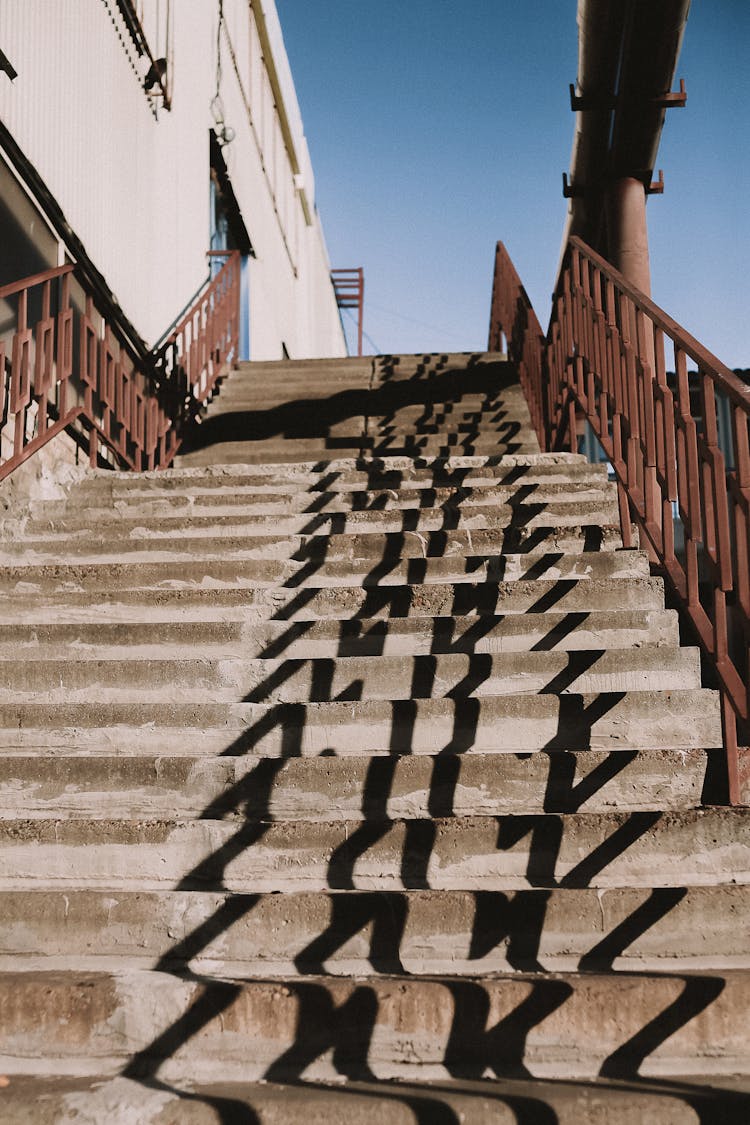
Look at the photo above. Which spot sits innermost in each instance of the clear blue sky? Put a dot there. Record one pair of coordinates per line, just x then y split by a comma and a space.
437, 127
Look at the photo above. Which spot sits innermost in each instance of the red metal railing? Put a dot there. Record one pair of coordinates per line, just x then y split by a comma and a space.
63, 365
349, 288
678, 441
514, 328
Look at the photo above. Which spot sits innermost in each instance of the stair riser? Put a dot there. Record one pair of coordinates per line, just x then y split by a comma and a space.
422, 933
353, 788
401, 1029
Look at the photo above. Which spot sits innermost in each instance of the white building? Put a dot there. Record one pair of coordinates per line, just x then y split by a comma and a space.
137, 133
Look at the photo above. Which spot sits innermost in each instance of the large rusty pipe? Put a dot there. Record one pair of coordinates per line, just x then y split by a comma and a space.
627, 56
627, 233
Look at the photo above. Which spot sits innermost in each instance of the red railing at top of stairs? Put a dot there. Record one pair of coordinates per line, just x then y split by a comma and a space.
64, 364
349, 289
678, 441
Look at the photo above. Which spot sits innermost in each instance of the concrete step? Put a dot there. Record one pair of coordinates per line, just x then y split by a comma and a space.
226, 536
478, 414
448, 384
542, 469
349, 386
691, 847
280, 368
382, 602
210, 565
455, 675
187, 501
292, 451
670, 720
445, 517
493, 1101
420, 933
309, 639
531, 471
326, 1028
445, 444
109, 786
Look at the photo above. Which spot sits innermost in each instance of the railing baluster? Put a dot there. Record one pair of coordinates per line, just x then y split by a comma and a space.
126, 407
605, 356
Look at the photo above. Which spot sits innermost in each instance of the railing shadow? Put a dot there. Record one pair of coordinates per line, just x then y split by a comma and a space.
475, 1047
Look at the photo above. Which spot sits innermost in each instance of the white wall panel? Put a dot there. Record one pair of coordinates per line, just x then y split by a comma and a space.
136, 189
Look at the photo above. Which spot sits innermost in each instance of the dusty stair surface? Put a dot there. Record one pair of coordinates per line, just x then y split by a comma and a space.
352, 771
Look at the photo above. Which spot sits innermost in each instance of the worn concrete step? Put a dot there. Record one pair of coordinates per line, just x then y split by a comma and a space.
28, 601
422, 391
346, 393
379, 551
452, 414
67, 678
311, 421
292, 451
524, 499
454, 375
444, 444
565, 1025
276, 379
486, 853
208, 565
509, 485
541, 469
565, 632
447, 517
305, 408
280, 368
670, 720
455, 422
110, 786
675, 1101
422, 933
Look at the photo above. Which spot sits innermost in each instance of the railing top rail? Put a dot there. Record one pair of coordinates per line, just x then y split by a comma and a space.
502, 249
35, 279
211, 284
725, 378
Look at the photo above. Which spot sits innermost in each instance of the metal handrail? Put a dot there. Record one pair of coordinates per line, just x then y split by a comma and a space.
65, 365
514, 328
35, 279
678, 442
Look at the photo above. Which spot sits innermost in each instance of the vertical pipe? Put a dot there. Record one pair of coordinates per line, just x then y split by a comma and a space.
627, 233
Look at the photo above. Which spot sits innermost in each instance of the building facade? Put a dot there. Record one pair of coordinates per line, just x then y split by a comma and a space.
137, 134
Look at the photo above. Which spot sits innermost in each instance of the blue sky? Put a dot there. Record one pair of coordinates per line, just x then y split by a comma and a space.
437, 127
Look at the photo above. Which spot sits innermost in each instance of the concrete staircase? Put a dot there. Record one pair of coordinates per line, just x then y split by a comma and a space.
352, 771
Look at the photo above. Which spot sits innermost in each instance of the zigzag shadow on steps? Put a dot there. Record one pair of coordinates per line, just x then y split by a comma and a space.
473, 1048
313, 417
